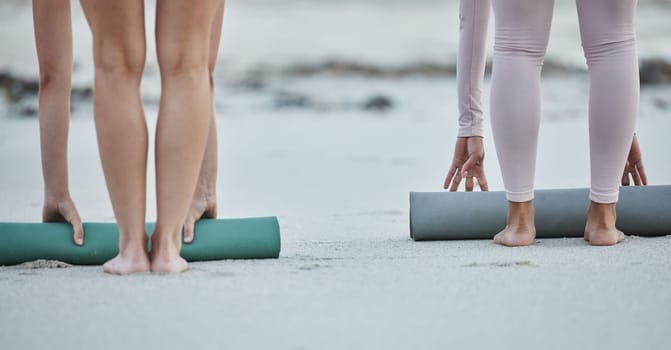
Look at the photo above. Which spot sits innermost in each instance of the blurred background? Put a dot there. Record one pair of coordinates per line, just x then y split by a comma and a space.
329, 108
266, 44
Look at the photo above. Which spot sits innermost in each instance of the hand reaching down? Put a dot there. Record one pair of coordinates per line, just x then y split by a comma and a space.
200, 209
634, 167
468, 164
64, 211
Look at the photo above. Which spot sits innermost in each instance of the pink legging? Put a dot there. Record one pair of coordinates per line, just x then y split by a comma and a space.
608, 40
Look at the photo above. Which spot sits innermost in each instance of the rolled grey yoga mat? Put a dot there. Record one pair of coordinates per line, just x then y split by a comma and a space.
641, 211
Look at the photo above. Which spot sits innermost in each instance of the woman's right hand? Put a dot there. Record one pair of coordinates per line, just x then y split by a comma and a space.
467, 163
64, 210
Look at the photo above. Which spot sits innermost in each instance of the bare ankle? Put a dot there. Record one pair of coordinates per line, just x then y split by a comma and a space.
132, 257
165, 243
521, 214
133, 241
165, 253
602, 214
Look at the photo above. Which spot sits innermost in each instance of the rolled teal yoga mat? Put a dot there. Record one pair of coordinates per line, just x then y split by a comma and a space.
249, 238
641, 211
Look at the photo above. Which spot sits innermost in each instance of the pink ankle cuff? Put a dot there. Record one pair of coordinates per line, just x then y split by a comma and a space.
520, 196
604, 198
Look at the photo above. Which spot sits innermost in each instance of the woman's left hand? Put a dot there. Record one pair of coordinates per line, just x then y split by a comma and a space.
634, 167
200, 209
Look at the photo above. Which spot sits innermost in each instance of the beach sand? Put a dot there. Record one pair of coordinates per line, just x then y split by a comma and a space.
348, 275
359, 293
337, 174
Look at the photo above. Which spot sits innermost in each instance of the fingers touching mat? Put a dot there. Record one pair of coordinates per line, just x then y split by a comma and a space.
642, 211
251, 238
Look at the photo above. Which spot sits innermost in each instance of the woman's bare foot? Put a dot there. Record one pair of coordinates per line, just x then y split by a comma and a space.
165, 256
520, 230
600, 229
132, 258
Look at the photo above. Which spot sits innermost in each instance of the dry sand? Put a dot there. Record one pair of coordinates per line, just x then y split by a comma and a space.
367, 294
338, 179
348, 275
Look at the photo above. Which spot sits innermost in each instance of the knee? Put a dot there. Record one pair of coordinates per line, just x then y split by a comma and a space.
531, 50
184, 63
184, 70
210, 70
610, 48
120, 62
211, 79
211, 64
55, 76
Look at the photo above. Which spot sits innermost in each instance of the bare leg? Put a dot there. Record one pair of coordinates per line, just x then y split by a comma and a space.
183, 34
119, 55
53, 39
204, 203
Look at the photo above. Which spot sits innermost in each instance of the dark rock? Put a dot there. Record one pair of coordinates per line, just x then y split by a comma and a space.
82, 93
17, 88
661, 103
351, 68
378, 103
28, 111
426, 69
286, 99
655, 71
253, 83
